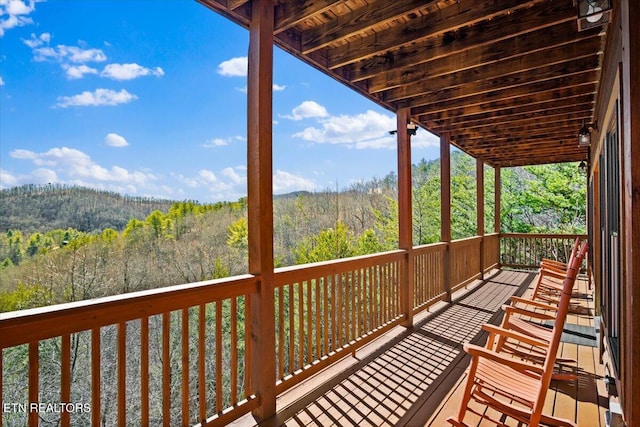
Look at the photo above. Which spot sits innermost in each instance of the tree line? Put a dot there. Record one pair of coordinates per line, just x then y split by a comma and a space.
191, 242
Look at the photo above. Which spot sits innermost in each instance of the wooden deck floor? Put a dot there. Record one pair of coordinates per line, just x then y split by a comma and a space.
414, 377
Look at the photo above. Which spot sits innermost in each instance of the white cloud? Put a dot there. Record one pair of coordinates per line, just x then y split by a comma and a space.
78, 71
234, 67
69, 165
285, 182
1, 81
234, 176
115, 140
278, 88
63, 53
216, 142
366, 130
99, 97
35, 42
36, 176
16, 12
306, 110
129, 71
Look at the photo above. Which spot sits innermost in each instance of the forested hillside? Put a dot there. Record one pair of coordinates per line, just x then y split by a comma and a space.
62, 244
31, 208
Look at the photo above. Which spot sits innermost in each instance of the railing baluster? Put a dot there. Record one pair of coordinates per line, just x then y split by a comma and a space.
34, 371
280, 293
185, 367
219, 390
292, 329
234, 350
202, 390
65, 378
166, 371
122, 374
300, 325
95, 377
318, 352
309, 329
144, 371
247, 346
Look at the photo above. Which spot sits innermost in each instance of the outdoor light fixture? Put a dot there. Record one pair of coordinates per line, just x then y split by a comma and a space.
412, 129
583, 166
584, 136
593, 13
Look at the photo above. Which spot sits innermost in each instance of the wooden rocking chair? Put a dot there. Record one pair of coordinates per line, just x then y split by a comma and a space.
514, 387
520, 322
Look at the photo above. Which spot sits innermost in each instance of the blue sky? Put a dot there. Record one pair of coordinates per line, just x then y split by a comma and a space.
148, 98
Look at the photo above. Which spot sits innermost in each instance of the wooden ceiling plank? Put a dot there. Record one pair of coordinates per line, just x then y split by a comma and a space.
458, 15
531, 102
361, 20
551, 119
506, 58
575, 105
291, 13
502, 134
496, 77
517, 29
453, 98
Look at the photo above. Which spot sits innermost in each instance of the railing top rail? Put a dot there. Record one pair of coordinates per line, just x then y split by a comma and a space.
544, 235
431, 247
466, 240
285, 275
24, 326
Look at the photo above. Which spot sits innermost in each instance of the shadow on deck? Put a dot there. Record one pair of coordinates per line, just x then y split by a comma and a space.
402, 378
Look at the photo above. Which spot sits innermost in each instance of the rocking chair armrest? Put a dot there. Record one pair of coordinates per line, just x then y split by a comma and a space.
507, 333
558, 264
533, 303
545, 273
518, 365
510, 309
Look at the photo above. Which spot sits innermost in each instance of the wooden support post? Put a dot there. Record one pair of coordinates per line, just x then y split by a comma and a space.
480, 210
405, 212
445, 208
630, 339
260, 204
497, 197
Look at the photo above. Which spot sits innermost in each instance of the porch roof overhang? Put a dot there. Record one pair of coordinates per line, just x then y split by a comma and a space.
512, 81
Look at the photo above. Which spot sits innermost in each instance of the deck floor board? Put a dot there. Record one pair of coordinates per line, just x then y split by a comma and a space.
415, 377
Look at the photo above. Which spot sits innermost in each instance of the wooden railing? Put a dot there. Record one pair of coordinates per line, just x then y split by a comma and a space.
491, 251
428, 275
465, 261
171, 356
326, 310
521, 250
182, 355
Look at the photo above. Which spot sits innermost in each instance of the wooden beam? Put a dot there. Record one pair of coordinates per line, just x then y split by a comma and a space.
523, 29
482, 92
503, 61
461, 14
528, 103
368, 17
288, 14
501, 77
260, 204
405, 214
560, 114
445, 209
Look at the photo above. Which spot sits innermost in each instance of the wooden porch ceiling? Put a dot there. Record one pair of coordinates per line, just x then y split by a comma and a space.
511, 80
